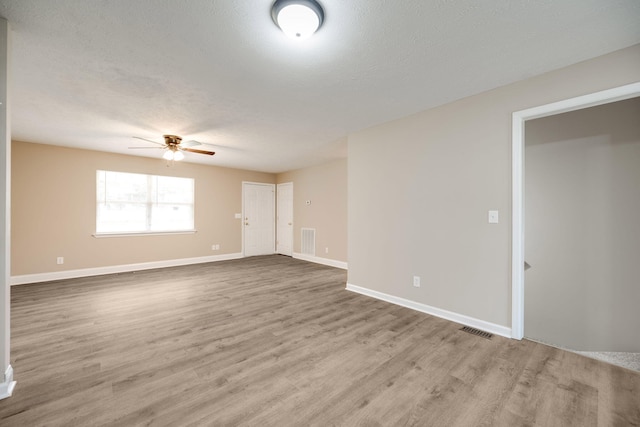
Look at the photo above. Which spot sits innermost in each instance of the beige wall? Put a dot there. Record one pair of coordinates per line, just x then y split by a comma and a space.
54, 210
326, 187
420, 188
582, 229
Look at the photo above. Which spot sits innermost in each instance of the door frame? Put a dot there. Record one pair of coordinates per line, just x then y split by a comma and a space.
266, 184
517, 167
278, 215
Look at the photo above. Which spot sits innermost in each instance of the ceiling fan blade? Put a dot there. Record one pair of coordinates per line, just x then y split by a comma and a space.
191, 150
194, 143
148, 140
146, 148
190, 143
207, 144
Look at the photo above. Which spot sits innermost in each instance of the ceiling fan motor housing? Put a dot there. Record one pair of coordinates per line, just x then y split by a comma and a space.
172, 141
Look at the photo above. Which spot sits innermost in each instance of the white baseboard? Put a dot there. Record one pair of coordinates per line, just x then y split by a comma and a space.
323, 261
444, 314
8, 384
86, 272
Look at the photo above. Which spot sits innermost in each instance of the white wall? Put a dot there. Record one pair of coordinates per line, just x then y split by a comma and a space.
582, 230
420, 188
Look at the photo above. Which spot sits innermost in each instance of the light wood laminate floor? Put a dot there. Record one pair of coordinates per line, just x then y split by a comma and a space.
272, 341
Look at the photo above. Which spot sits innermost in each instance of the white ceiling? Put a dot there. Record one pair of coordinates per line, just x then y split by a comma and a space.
94, 73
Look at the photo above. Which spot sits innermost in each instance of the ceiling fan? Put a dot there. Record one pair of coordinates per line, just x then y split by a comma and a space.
174, 147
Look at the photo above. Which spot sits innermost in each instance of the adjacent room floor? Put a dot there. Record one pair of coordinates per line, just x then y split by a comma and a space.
272, 341
626, 360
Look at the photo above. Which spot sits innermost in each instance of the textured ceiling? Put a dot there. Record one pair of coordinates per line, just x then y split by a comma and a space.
94, 73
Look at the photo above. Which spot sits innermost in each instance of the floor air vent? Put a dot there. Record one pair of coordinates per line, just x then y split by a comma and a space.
477, 332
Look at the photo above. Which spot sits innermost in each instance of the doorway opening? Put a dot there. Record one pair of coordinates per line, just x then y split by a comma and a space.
518, 137
518, 199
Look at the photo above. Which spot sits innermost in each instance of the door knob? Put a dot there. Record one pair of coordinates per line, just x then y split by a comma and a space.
246, 223
289, 223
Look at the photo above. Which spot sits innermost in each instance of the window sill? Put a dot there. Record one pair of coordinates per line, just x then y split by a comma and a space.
143, 233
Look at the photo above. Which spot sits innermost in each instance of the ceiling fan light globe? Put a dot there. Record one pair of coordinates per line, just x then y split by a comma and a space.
177, 156
168, 155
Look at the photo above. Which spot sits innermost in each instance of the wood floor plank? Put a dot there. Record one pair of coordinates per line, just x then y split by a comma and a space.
273, 341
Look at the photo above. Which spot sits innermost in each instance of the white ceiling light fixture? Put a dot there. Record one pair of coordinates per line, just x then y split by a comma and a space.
298, 19
173, 155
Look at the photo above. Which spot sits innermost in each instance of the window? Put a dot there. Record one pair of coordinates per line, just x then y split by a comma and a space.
137, 203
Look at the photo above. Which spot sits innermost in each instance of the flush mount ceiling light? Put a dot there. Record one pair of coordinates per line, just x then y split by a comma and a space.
298, 19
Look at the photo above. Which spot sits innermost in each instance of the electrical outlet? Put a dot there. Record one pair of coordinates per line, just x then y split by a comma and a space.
416, 281
215, 247
60, 260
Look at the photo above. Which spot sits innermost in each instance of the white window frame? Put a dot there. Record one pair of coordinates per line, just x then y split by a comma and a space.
150, 203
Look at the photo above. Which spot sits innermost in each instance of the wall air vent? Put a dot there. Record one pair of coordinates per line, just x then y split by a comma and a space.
308, 246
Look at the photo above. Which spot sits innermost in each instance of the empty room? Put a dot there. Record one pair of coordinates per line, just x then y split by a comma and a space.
319, 212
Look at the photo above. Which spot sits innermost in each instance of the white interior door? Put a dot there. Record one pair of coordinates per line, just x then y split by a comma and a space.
258, 218
284, 242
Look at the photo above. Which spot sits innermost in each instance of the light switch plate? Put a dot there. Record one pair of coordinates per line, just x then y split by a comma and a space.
239, 216
493, 217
